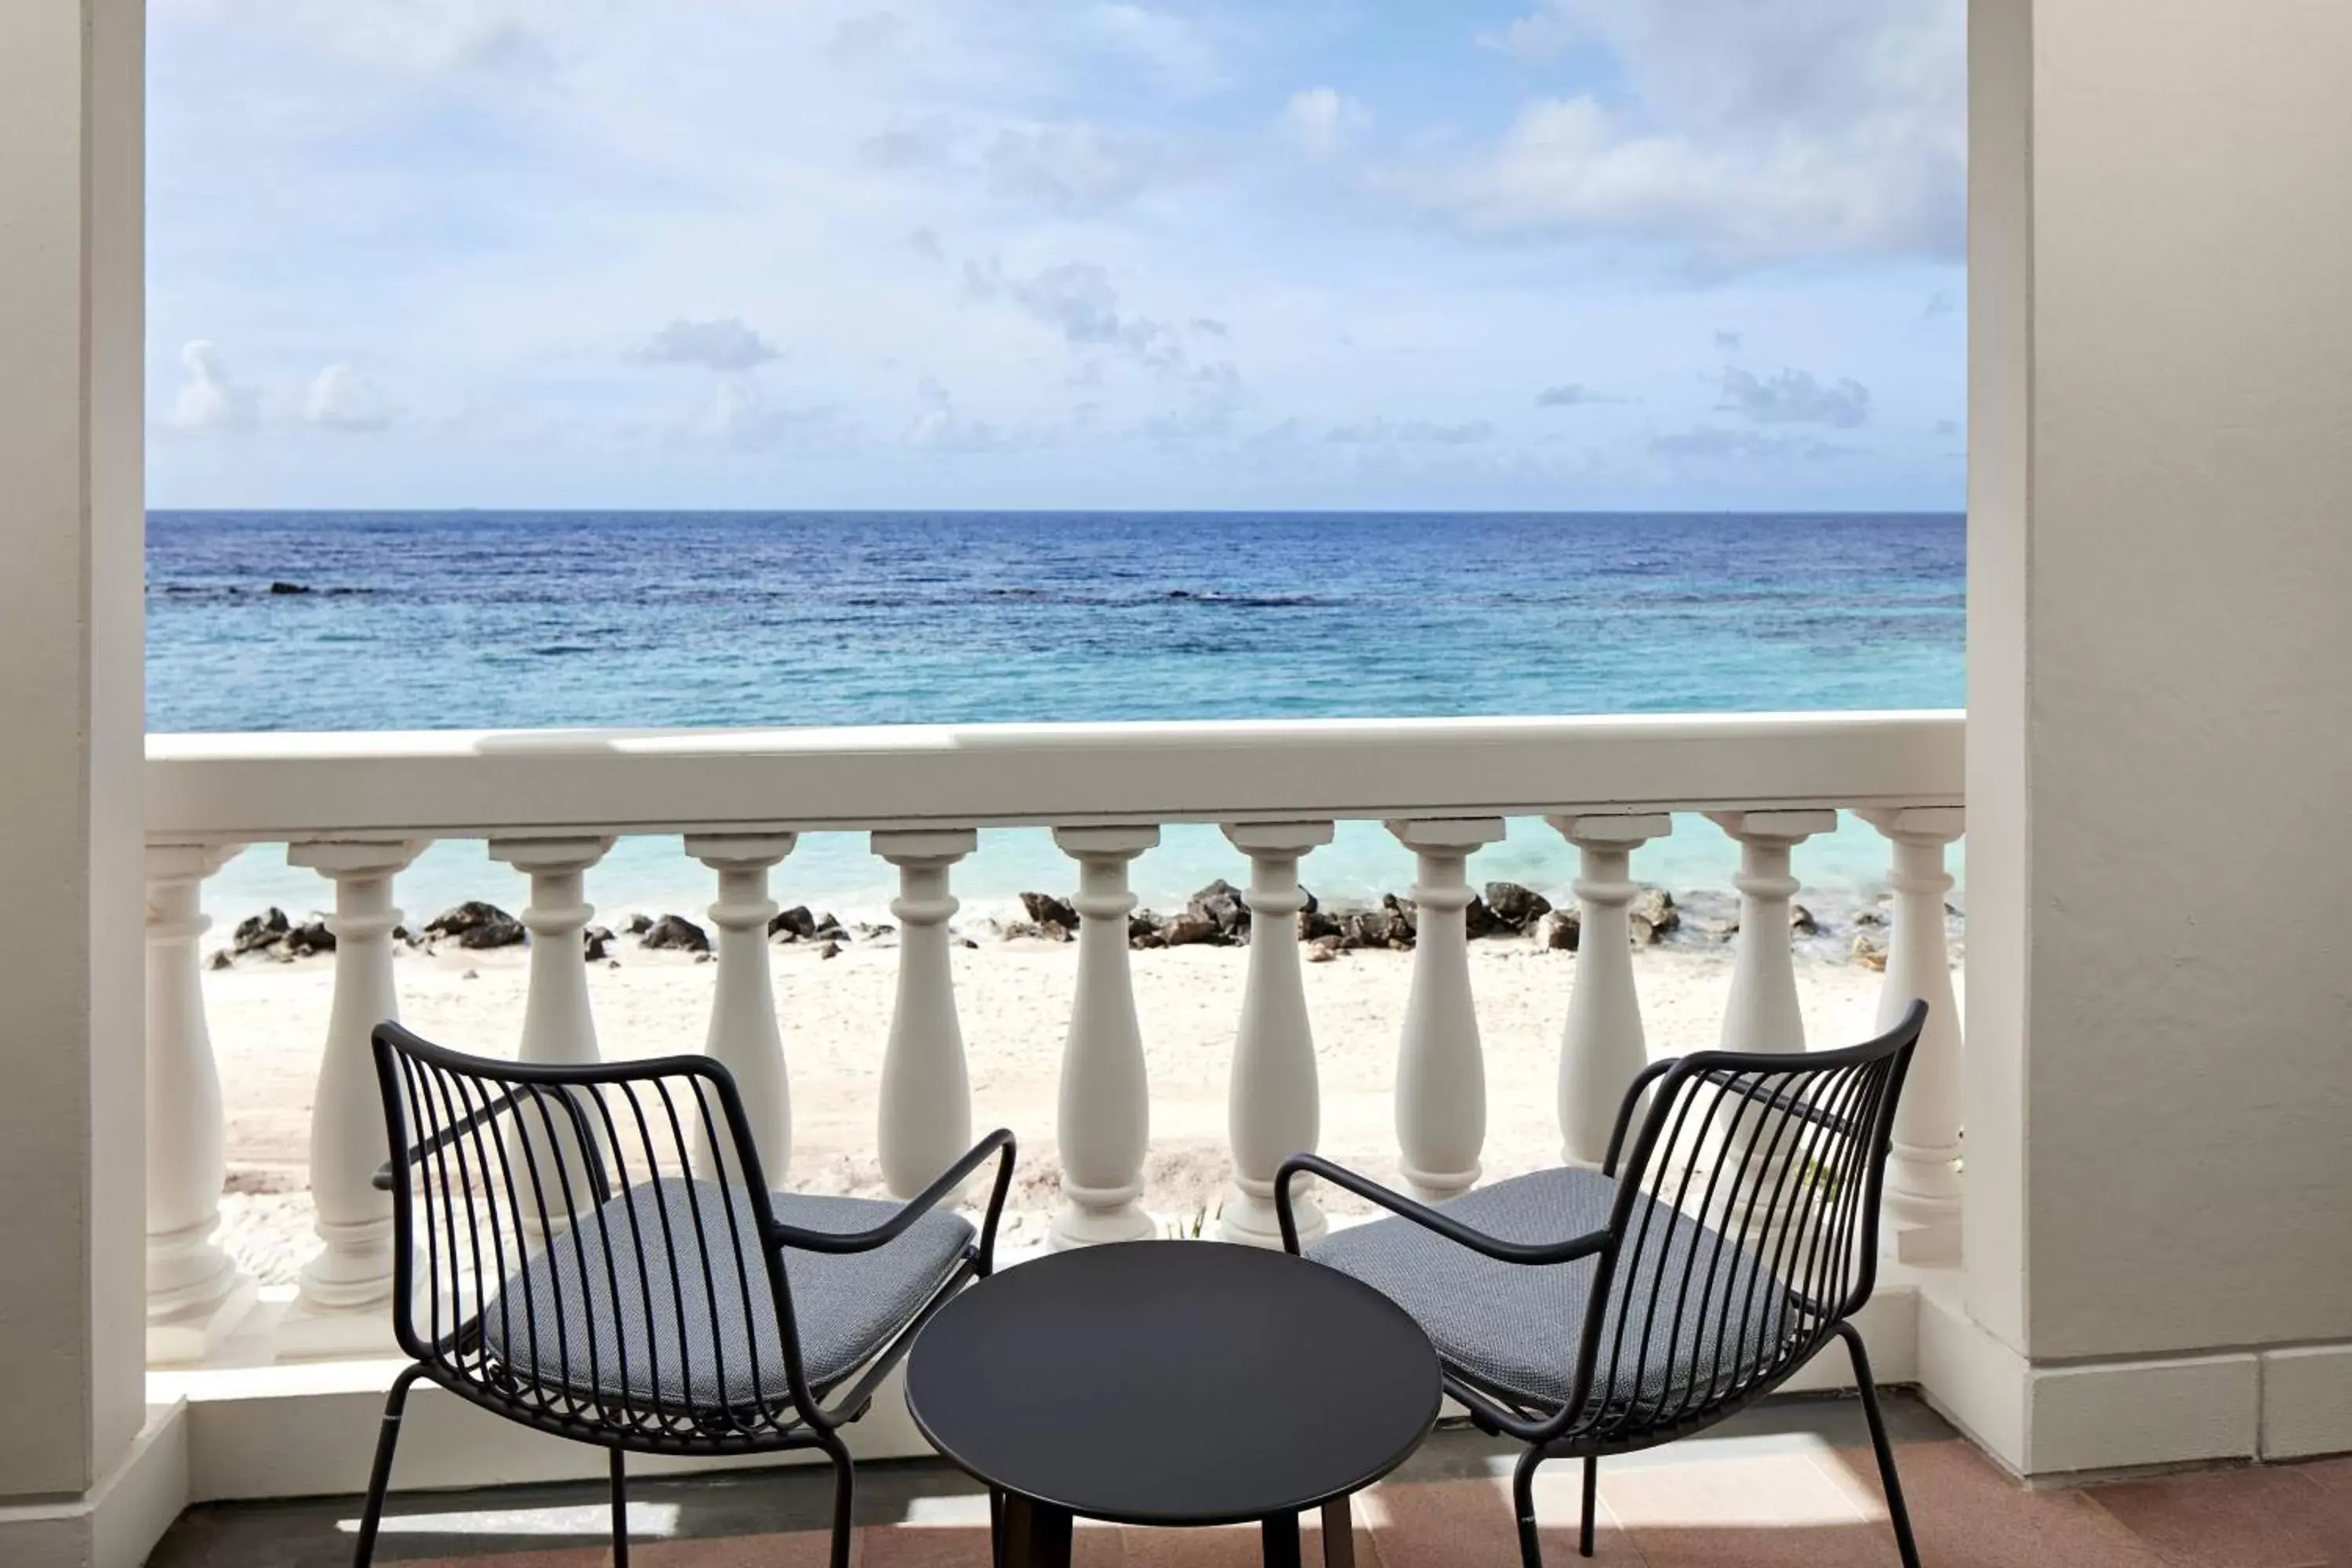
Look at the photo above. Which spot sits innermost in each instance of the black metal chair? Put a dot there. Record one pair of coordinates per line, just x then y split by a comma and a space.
1588, 1313
593, 1251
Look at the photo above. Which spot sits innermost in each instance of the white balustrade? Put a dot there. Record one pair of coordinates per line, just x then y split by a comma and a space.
1603, 1048
1103, 1122
195, 1296
1441, 1092
342, 1305
745, 1037
1274, 1108
1279, 786
925, 1116
1923, 1177
559, 1026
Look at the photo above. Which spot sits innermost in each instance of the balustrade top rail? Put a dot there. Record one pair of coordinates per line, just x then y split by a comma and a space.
231, 788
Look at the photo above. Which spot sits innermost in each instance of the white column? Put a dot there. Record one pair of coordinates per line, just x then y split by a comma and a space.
745, 1037
72, 959
1922, 1175
1762, 1014
1441, 1093
558, 1025
343, 1304
195, 1294
1274, 1108
1104, 1124
925, 1117
1602, 1048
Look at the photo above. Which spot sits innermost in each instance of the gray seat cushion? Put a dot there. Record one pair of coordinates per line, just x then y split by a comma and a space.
1518, 1328
724, 1352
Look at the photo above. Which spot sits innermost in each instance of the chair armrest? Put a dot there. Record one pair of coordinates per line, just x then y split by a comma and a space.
999, 1144
1454, 1230
387, 1174
1633, 1093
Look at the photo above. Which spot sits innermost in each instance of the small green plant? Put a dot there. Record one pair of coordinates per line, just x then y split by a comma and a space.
1195, 1227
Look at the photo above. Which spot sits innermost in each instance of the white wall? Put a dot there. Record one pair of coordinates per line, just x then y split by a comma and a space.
2160, 680
71, 1132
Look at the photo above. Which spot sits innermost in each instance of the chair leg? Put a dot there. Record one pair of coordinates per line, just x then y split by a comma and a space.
396, 1405
1523, 1503
620, 1510
1591, 1496
1884, 1449
844, 1488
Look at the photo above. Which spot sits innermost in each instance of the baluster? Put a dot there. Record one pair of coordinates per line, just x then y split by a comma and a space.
1923, 1176
745, 1037
1104, 1124
1602, 1048
1440, 1094
195, 1296
1762, 1014
558, 1024
1272, 1109
343, 1306
926, 1111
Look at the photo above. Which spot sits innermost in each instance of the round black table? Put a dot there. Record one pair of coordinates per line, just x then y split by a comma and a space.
1172, 1382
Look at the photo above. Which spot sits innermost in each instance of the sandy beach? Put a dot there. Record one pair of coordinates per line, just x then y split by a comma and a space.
269, 1019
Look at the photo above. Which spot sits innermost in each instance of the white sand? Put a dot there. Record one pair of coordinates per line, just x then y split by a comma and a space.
269, 1019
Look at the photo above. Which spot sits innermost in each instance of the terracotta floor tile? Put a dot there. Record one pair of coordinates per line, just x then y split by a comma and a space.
800, 1548
965, 1545
563, 1557
1440, 1524
2263, 1518
1233, 1546
1964, 1514
1758, 1512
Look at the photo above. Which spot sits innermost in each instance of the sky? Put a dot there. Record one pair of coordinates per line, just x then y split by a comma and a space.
1546, 255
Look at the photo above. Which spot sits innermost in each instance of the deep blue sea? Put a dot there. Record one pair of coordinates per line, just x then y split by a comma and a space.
497, 620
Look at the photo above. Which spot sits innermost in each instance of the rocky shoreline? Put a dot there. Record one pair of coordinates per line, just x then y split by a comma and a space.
1216, 916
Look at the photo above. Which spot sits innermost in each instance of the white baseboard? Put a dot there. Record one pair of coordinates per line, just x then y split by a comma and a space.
117, 1523
2306, 1401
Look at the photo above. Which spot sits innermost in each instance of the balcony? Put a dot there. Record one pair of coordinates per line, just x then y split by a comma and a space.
278, 1377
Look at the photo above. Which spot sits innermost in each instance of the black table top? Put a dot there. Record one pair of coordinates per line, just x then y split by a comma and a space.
1174, 1383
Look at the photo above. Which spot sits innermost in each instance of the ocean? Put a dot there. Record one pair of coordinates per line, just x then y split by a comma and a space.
479, 620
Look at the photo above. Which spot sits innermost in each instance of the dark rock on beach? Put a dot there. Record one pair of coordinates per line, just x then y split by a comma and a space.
1558, 931
1046, 910
495, 933
678, 933
596, 944
256, 932
1515, 907
470, 916
640, 924
1652, 915
1220, 904
305, 940
794, 924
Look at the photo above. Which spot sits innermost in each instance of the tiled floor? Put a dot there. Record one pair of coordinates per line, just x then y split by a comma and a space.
1790, 1483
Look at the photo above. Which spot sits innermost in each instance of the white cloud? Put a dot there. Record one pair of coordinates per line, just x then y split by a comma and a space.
1712, 443
1746, 134
1173, 50
1571, 395
1409, 432
1794, 397
1076, 166
426, 36
740, 417
1078, 300
723, 344
211, 398
1322, 121
339, 399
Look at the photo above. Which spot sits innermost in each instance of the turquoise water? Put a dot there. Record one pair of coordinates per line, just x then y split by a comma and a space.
512, 620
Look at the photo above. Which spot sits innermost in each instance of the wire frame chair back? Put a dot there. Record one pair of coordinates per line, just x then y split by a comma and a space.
581, 1249
1745, 1231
